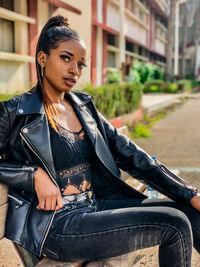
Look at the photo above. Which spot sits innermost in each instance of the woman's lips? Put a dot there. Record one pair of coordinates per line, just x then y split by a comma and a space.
69, 82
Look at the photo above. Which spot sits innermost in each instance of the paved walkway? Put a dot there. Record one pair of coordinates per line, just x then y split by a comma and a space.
175, 142
152, 102
155, 101
176, 139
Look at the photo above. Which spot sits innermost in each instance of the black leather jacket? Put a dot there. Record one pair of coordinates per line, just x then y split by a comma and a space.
25, 144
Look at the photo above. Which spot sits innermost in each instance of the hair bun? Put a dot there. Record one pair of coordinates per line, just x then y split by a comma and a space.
57, 21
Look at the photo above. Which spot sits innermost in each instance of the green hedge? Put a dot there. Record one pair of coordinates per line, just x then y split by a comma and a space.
184, 85
167, 87
142, 72
113, 77
116, 99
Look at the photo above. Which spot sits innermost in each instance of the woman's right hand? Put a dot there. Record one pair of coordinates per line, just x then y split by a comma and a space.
48, 193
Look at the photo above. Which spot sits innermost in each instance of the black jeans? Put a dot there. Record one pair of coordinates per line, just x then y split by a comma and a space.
109, 228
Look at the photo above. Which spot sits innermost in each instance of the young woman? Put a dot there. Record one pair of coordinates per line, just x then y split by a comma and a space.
61, 161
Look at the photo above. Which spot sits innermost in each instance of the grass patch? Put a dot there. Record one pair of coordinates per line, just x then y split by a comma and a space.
142, 130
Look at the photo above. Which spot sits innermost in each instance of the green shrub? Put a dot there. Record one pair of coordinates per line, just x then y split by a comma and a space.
160, 86
141, 72
195, 83
153, 72
138, 72
154, 86
113, 77
134, 76
189, 76
114, 99
170, 87
184, 85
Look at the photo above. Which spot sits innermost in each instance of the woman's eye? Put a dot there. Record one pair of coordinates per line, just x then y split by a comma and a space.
82, 65
65, 58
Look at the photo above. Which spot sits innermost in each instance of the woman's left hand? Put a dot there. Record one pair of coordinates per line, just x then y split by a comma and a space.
195, 202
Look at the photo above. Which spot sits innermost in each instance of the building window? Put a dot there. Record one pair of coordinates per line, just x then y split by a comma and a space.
7, 35
143, 2
141, 15
112, 39
161, 33
8, 4
7, 28
130, 5
140, 51
111, 59
129, 46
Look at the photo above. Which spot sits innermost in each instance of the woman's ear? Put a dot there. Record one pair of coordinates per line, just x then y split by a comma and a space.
42, 58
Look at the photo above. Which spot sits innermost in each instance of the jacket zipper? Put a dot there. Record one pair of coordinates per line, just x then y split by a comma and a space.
174, 177
82, 105
14, 169
19, 202
39, 158
50, 223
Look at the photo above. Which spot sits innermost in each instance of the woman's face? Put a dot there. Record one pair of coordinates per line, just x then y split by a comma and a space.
63, 66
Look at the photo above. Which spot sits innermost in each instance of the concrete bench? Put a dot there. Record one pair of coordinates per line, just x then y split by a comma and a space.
3, 208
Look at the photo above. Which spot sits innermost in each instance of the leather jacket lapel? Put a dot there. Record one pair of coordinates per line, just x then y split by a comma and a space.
97, 140
37, 137
88, 123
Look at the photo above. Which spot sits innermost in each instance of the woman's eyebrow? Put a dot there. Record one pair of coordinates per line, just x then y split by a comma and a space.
69, 53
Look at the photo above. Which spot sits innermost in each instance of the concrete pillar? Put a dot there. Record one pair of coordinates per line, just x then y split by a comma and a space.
99, 56
122, 47
21, 28
176, 51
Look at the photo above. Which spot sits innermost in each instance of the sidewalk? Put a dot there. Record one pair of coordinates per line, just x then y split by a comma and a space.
152, 102
149, 103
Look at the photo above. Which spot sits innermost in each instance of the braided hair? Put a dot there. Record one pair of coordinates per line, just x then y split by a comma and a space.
55, 31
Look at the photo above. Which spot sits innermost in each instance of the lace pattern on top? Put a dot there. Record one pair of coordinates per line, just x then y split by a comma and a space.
72, 136
75, 179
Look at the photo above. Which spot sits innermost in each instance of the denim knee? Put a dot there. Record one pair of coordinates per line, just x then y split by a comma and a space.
180, 224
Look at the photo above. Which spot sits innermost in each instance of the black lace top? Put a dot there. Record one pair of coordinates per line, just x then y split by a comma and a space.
73, 155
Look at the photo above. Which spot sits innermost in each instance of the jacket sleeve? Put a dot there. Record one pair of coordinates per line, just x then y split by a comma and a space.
14, 175
132, 159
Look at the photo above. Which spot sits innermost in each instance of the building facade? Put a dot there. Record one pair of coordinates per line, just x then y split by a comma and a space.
124, 31
189, 40
116, 33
